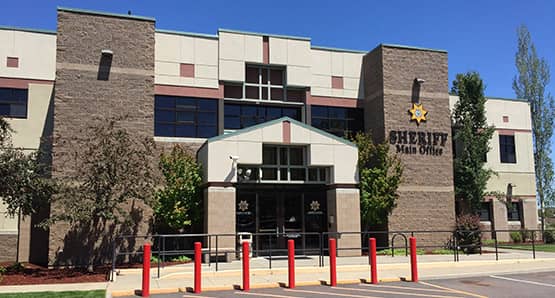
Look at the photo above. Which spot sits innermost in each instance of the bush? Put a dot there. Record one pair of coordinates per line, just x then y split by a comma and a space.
516, 237
549, 236
468, 233
526, 235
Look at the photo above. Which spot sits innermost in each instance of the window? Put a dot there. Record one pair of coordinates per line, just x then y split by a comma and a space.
185, 117
337, 121
237, 116
264, 82
513, 211
485, 211
507, 148
13, 102
282, 164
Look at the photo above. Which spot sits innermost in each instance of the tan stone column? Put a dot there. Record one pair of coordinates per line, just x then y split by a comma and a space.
500, 220
530, 214
219, 214
344, 208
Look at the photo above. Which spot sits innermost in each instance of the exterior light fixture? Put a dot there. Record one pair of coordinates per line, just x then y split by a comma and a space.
107, 52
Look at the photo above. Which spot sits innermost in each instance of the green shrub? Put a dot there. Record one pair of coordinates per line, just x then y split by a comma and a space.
468, 233
549, 236
181, 259
516, 236
488, 242
526, 235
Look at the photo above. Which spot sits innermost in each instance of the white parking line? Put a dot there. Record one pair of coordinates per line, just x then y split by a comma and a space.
266, 295
324, 294
404, 288
523, 281
398, 293
452, 290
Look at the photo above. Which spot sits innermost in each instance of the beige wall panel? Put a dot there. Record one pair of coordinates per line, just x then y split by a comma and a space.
219, 216
524, 154
321, 155
253, 48
168, 80
525, 183
337, 92
298, 76
337, 64
206, 51
321, 62
273, 133
204, 83
249, 152
348, 93
530, 214
206, 71
231, 46
168, 48
254, 135
320, 91
187, 49
345, 164
316, 138
278, 50
321, 81
231, 70
299, 134
352, 64
33, 63
220, 166
166, 68
351, 83
518, 112
298, 52
28, 132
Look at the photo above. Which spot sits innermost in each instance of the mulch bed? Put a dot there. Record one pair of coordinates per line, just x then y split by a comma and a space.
31, 274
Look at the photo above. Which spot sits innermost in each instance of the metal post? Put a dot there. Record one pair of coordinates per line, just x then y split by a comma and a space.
291, 263
198, 271
333, 263
533, 244
373, 260
414, 269
145, 289
158, 263
496, 250
246, 275
114, 256
217, 257
270, 252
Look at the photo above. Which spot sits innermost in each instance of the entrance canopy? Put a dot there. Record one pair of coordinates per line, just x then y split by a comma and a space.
222, 156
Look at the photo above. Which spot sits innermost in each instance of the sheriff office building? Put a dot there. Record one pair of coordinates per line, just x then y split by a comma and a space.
267, 115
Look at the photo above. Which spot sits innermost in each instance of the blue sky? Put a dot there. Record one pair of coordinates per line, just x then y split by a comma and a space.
479, 35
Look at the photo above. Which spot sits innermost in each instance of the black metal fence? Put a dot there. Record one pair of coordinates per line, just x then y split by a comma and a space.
127, 249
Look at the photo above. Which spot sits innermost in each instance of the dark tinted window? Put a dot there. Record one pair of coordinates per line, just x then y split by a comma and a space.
13, 102
237, 116
507, 149
185, 117
338, 121
513, 211
485, 211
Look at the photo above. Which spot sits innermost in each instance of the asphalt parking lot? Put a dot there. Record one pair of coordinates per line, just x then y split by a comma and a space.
509, 285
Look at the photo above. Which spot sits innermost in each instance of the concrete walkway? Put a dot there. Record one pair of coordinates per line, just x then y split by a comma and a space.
350, 269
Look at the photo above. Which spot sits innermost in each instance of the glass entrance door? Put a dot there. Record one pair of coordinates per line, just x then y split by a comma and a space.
276, 216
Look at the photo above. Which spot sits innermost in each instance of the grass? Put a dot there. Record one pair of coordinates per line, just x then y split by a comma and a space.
397, 252
71, 294
539, 247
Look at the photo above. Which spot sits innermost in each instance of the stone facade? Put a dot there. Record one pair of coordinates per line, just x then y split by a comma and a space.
8, 243
91, 86
390, 85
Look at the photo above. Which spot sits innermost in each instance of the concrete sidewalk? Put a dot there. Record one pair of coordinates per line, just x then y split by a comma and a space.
350, 269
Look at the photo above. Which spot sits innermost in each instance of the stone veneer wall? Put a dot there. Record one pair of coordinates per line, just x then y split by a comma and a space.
8, 244
81, 96
427, 193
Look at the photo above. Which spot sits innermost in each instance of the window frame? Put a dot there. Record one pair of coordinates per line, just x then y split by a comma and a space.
504, 148
259, 119
15, 100
195, 123
488, 205
268, 86
514, 208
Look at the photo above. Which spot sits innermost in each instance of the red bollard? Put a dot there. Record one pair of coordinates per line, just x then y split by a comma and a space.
373, 261
145, 290
246, 276
333, 263
414, 270
198, 278
291, 258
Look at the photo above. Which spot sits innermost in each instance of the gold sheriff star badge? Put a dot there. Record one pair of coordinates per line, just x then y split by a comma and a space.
418, 113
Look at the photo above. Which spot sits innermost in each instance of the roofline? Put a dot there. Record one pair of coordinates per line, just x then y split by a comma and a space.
279, 120
184, 33
106, 14
499, 98
338, 50
388, 45
50, 32
264, 34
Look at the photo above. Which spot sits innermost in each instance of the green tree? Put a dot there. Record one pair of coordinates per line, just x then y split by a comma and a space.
380, 175
472, 135
24, 182
530, 84
179, 203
